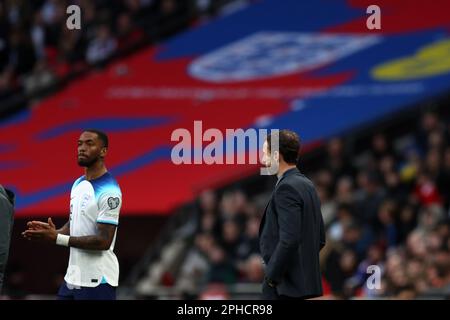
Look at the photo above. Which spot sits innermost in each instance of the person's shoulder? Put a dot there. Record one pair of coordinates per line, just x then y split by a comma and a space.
306, 180
106, 185
296, 177
114, 182
78, 181
109, 179
298, 181
288, 184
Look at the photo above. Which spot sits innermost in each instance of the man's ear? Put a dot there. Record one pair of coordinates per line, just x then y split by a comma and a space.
276, 155
103, 152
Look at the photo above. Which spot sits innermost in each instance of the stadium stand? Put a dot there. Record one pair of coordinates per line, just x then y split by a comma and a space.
39, 55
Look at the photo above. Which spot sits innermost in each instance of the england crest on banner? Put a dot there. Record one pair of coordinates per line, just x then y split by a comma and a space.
270, 54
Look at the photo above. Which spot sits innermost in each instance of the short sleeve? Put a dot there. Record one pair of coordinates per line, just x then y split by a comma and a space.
109, 208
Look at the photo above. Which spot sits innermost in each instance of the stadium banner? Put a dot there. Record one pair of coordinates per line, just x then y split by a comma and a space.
310, 66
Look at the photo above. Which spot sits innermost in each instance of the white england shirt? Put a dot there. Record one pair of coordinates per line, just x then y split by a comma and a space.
91, 202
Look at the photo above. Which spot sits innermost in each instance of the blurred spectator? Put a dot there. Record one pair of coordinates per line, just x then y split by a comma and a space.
344, 217
38, 35
49, 11
394, 188
207, 220
386, 164
102, 46
381, 147
41, 77
429, 122
221, 269
54, 17
369, 197
249, 244
168, 7
324, 179
443, 180
344, 190
411, 165
338, 161
89, 20
339, 268
6, 88
407, 222
208, 202
193, 272
430, 217
128, 34
388, 232
230, 238
22, 56
69, 54
328, 206
233, 206
357, 238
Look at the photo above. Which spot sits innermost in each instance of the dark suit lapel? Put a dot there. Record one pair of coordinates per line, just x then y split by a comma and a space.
261, 226
263, 220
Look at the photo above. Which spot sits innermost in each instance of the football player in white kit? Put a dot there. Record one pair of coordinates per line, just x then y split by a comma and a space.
95, 202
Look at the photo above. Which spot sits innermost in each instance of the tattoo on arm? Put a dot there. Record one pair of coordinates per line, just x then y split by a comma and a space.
100, 241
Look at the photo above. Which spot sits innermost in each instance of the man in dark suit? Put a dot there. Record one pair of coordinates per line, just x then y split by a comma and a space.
292, 231
6, 222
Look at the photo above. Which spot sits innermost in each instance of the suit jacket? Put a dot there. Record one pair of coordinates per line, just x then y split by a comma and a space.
291, 235
6, 223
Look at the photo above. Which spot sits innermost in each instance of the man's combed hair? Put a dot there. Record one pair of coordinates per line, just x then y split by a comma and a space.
289, 145
101, 135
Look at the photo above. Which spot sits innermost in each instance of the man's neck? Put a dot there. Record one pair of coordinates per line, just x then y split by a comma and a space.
96, 170
283, 168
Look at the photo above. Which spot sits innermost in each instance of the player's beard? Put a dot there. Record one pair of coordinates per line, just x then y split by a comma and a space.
87, 162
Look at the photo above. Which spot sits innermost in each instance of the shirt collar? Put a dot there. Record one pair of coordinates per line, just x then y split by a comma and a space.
287, 173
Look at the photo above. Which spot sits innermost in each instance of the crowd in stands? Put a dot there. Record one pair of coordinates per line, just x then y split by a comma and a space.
387, 206
37, 48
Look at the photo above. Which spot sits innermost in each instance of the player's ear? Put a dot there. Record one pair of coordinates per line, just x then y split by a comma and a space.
104, 152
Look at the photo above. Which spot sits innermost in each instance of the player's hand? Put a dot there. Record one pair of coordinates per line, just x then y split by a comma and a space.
42, 231
36, 225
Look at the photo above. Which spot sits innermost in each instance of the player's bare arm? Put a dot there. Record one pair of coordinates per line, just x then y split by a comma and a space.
47, 232
101, 241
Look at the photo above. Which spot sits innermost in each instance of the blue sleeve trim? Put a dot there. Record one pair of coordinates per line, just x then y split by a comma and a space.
108, 222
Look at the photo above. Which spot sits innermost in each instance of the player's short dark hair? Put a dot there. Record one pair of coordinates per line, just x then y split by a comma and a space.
289, 143
101, 135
